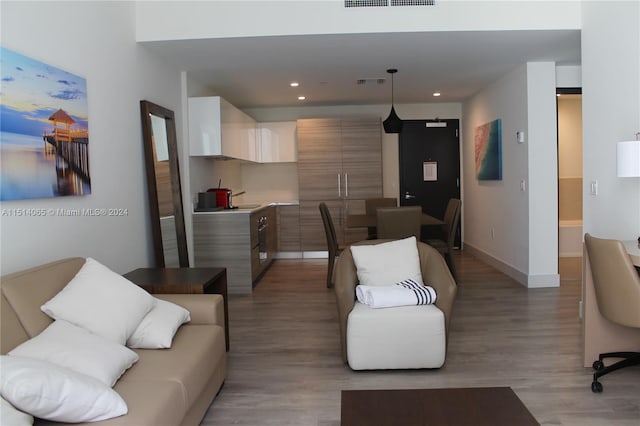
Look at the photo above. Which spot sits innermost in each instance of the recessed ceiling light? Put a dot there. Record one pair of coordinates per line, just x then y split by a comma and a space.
301, 98
436, 94
294, 84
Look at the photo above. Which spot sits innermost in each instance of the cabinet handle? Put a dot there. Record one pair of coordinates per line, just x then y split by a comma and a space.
346, 185
339, 193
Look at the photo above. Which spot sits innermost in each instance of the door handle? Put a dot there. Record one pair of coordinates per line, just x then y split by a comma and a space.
408, 196
339, 185
346, 185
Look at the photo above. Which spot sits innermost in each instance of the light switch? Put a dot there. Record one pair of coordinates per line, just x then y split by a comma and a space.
594, 187
520, 136
523, 185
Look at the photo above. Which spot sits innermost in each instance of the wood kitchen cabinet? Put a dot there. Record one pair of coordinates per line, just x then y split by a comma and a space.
339, 163
232, 240
289, 228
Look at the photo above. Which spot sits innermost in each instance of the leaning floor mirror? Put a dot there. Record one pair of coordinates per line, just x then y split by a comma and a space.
163, 184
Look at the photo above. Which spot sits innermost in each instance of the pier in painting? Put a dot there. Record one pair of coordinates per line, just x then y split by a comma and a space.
70, 144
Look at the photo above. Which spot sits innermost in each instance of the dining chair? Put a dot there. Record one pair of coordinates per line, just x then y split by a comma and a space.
617, 287
371, 205
445, 244
333, 248
399, 222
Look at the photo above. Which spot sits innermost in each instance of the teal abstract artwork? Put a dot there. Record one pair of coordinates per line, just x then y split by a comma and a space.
488, 150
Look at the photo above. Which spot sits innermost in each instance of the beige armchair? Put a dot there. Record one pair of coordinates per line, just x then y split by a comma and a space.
434, 273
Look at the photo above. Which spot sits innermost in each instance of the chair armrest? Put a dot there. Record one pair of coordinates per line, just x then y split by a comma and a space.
203, 308
436, 274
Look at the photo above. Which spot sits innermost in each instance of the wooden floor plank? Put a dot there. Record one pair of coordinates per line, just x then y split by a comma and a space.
285, 366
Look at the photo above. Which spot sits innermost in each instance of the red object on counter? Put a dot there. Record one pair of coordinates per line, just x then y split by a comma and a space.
223, 197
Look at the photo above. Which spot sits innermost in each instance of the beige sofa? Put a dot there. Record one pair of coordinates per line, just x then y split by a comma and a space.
166, 386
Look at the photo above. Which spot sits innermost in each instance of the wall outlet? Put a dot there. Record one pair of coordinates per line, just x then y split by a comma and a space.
520, 136
594, 187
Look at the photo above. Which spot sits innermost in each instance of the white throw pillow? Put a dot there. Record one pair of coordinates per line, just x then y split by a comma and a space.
11, 416
56, 393
158, 327
102, 301
75, 348
387, 263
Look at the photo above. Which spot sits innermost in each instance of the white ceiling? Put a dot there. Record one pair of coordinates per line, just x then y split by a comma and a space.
256, 71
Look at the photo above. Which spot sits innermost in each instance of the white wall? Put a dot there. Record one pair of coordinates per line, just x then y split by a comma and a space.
174, 20
498, 216
97, 43
611, 113
542, 182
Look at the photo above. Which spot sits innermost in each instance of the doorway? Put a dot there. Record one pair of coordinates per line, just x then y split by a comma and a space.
429, 157
569, 118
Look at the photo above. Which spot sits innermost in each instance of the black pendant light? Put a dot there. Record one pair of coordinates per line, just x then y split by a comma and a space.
393, 123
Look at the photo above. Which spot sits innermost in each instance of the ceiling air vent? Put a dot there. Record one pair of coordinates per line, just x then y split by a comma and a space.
365, 3
376, 80
384, 3
412, 2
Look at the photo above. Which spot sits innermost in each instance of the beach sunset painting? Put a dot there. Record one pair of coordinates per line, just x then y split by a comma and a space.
488, 151
44, 137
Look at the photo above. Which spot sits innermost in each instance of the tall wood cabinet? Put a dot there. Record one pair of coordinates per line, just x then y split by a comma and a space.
339, 163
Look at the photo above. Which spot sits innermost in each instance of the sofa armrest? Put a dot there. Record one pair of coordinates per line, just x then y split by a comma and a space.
204, 308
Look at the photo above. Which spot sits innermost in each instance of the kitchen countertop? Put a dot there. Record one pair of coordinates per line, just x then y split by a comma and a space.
249, 207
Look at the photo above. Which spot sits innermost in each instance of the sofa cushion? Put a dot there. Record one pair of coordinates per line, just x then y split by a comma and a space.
102, 301
66, 345
151, 402
192, 359
400, 337
49, 391
26, 291
387, 263
157, 328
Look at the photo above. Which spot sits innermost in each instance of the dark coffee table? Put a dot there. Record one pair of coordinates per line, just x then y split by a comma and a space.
498, 406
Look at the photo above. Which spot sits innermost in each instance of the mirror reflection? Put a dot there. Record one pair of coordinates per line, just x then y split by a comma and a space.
163, 180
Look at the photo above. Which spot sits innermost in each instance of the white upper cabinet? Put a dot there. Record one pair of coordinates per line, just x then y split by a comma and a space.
217, 128
277, 142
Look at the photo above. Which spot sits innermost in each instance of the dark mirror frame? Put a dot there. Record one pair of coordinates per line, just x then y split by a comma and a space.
146, 110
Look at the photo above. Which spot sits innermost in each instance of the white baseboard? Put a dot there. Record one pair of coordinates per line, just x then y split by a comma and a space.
302, 255
529, 281
288, 255
570, 254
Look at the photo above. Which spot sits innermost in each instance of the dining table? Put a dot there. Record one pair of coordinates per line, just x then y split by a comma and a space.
370, 220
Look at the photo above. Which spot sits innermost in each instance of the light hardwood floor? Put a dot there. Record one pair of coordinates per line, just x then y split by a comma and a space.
285, 366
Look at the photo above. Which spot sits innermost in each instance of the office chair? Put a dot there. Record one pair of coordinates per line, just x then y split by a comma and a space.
617, 287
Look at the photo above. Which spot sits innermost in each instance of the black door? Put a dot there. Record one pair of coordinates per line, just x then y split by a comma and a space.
430, 167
